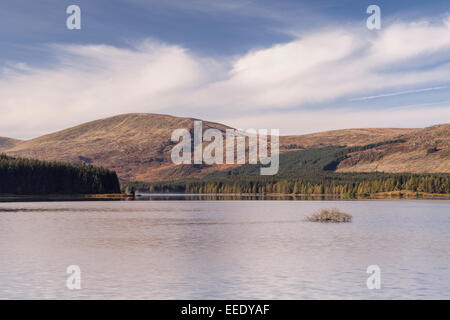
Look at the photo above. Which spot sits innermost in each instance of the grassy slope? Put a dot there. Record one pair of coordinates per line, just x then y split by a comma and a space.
137, 147
8, 143
412, 155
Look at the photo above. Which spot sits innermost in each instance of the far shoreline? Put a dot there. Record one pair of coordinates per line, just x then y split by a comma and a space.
64, 197
396, 195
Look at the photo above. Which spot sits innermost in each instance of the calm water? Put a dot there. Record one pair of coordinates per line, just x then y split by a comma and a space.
224, 250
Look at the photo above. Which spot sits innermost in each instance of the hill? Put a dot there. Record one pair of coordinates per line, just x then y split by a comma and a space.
421, 151
138, 147
8, 143
345, 137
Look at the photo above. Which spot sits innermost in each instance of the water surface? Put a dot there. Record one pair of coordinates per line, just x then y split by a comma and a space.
224, 250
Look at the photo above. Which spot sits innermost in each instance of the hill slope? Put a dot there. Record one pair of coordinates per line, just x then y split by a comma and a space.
345, 137
423, 150
8, 143
138, 146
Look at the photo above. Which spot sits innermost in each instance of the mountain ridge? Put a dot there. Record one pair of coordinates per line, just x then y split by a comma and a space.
137, 146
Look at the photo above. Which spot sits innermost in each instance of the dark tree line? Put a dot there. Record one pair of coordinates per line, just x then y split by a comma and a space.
342, 184
34, 177
309, 171
313, 159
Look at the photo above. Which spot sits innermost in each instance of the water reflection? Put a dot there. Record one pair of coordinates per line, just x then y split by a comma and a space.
223, 249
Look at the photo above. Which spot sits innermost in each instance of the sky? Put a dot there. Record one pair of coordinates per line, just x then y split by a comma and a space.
298, 66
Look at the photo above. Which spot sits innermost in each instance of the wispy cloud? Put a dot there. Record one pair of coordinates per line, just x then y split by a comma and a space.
92, 81
398, 93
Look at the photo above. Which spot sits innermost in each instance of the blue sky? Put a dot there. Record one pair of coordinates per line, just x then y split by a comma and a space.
300, 66
207, 26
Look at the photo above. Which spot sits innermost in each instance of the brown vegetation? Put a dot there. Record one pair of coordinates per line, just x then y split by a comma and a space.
412, 155
329, 215
8, 143
348, 137
138, 146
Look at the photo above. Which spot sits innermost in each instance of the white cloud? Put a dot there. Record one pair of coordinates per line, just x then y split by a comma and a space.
93, 81
406, 40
